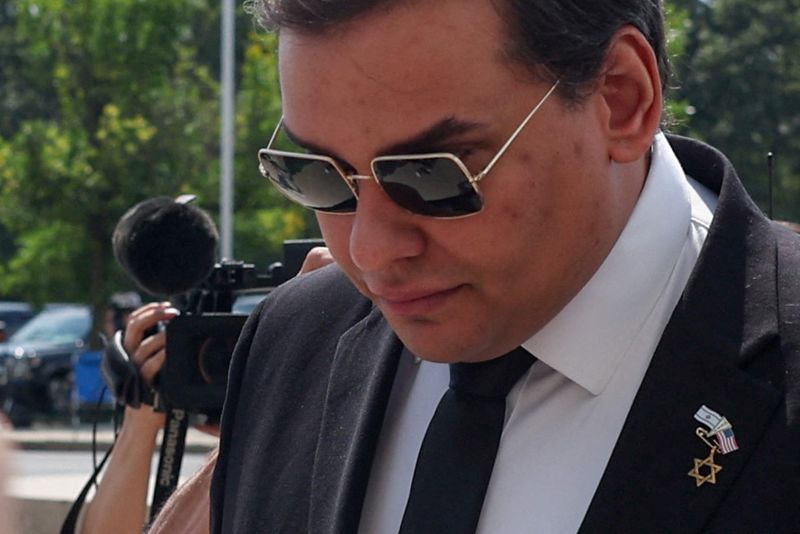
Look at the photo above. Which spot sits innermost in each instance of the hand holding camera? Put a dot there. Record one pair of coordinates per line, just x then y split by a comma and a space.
148, 352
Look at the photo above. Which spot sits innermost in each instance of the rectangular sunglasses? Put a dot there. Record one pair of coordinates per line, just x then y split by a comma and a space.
434, 185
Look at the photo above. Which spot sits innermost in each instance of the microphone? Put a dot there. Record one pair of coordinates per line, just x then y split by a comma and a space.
165, 245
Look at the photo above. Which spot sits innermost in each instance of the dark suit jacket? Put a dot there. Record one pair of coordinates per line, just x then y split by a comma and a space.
314, 367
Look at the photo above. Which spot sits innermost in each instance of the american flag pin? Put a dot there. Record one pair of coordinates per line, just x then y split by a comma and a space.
719, 429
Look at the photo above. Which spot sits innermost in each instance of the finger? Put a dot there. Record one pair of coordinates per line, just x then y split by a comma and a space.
317, 257
145, 309
148, 348
152, 366
139, 321
144, 319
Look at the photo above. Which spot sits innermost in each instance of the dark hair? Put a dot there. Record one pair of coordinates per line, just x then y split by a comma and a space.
556, 39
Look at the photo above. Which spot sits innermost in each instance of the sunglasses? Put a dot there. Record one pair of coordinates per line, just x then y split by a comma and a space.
434, 185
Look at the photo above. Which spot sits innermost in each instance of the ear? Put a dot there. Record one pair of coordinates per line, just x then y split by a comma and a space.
630, 92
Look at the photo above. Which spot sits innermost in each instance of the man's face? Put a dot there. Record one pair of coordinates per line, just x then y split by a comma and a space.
465, 289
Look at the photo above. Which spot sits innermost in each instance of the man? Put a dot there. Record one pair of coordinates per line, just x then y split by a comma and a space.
655, 297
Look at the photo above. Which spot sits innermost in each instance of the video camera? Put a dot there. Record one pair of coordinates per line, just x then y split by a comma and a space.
168, 247
200, 341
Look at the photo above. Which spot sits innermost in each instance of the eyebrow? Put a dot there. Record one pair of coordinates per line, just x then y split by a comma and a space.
435, 135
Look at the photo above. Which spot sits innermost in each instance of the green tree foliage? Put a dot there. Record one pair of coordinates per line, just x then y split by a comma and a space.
263, 217
677, 24
104, 103
739, 85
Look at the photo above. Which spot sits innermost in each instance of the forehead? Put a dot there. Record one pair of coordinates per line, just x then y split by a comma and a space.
420, 63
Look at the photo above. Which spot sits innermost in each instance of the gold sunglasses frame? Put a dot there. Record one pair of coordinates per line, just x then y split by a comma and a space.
350, 178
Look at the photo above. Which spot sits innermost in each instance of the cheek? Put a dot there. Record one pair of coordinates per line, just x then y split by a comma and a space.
336, 233
548, 206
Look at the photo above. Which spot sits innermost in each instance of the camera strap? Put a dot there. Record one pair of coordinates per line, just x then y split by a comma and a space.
71, 520
173, 444
169, 466
122, 376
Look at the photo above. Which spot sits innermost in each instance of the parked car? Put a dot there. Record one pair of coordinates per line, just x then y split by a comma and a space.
36, 362
12, 316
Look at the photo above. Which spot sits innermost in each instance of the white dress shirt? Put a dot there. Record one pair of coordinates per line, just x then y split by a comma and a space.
564, 416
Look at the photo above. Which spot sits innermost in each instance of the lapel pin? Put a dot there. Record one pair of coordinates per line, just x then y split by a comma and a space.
721, 431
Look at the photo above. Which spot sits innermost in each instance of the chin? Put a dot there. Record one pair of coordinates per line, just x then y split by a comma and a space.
438, 350
429, 350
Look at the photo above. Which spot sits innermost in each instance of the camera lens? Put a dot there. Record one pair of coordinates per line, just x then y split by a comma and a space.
213, 358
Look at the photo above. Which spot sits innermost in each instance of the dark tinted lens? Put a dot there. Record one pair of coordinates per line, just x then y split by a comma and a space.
433, 186
312, 183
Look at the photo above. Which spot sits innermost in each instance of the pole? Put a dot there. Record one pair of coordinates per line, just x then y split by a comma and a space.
227, 130
770, 185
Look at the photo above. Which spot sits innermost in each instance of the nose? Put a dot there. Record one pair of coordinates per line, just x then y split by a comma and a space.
382, 232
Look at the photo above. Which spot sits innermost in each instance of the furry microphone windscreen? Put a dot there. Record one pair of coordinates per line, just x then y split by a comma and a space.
167, 247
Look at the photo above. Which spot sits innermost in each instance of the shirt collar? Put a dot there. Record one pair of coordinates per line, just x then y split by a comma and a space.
588, 339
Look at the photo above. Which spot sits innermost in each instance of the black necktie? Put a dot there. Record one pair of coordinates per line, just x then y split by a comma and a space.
457, 455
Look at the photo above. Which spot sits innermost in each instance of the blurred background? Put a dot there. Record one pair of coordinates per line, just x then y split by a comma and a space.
104, 103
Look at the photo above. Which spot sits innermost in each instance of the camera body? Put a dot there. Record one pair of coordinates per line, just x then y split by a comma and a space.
201, 340
199, 349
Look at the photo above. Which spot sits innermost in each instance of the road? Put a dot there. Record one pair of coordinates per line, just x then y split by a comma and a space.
60, 475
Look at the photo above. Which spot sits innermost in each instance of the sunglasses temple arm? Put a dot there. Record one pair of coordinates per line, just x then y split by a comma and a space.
514, 135
275, 133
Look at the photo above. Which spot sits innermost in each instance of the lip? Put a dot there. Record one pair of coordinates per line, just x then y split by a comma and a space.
415, 303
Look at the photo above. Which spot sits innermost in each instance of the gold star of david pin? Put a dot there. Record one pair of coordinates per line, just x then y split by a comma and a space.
721, 431
710, 474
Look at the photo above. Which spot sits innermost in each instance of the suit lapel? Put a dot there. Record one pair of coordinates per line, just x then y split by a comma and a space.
725, 322
646, 486
360, 383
